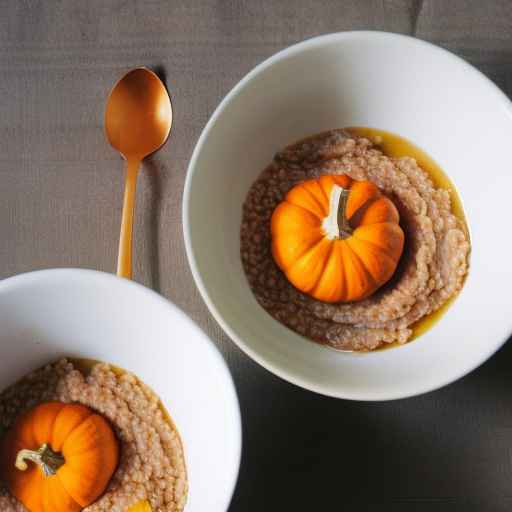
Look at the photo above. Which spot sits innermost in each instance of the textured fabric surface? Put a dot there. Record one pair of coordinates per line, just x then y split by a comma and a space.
60, 204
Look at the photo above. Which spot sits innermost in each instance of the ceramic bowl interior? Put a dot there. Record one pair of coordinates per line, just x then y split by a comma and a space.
51, 314
392, 82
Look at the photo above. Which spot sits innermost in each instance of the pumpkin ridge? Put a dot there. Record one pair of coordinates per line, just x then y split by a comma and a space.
361, 192
343, 273
376, 254
323, 265
356, 217
298, 260
317, 219
36, 425
54, 497
344, 256
103, 457
303, 188
377, 251
377, 246
290, 210
314, 289
363, 265
326, 195
353, 263
77, 426
337, 248
77, 476
304, 252
389, 212
86, 449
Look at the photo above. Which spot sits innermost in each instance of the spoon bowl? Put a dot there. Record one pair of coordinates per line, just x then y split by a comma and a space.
138, 117
138, 120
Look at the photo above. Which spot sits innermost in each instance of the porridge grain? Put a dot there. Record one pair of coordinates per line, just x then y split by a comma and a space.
432, 269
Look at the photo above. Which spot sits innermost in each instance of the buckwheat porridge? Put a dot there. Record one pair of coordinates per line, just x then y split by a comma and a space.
430, 272
150, 464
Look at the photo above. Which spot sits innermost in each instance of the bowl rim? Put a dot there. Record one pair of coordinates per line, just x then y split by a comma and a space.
13, 282
315, 42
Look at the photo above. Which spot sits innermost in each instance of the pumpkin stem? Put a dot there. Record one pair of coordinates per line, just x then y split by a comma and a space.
336, 225
48, 460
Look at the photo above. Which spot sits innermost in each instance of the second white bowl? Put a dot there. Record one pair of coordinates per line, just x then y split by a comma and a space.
380, 80
50, 314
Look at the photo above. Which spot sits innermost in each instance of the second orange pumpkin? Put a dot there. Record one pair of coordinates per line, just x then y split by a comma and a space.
337, 239
58, 457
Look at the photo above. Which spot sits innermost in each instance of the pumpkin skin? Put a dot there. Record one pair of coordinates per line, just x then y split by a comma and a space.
87, 444
343, 268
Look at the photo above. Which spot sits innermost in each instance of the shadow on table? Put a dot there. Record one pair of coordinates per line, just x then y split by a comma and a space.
447, 450
153, 168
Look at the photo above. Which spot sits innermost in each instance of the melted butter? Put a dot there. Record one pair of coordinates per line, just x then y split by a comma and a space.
395, 146
141, 506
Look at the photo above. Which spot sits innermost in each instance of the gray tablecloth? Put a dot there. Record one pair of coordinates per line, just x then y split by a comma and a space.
60, 204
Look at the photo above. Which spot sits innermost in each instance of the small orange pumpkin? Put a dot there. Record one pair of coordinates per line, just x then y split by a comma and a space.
336, 239
74, 453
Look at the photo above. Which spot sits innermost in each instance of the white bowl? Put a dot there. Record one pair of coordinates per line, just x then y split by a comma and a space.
380, 80
50, 314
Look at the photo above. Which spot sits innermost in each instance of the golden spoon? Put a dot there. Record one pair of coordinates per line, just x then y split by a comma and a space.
138, 120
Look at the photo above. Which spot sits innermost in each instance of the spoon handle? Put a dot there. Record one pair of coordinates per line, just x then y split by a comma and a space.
124, 258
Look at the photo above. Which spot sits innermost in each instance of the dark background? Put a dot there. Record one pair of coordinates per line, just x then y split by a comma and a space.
60, 201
